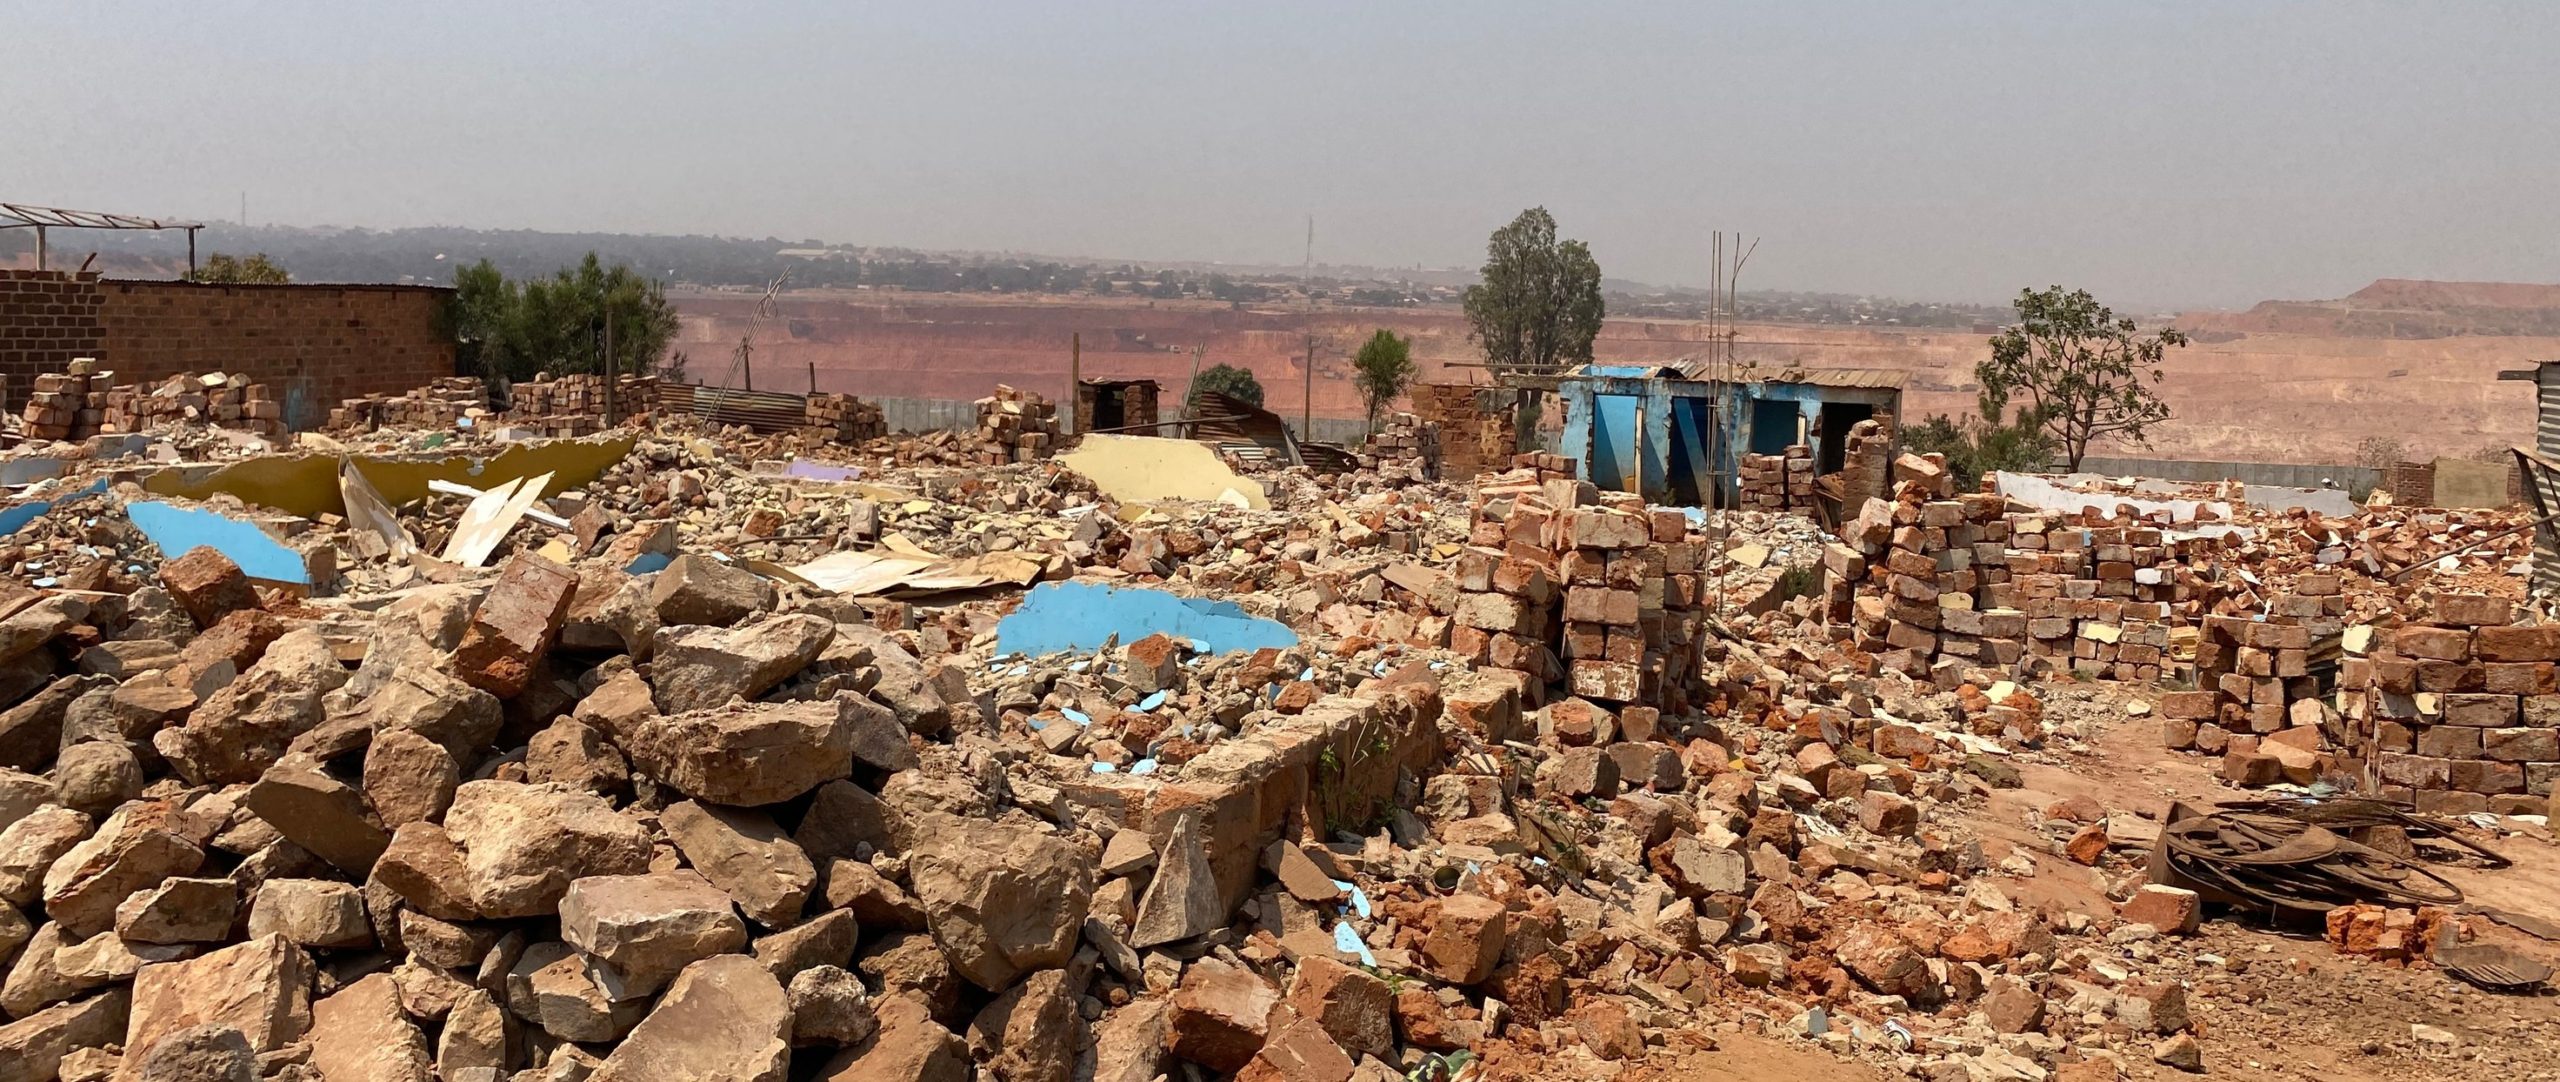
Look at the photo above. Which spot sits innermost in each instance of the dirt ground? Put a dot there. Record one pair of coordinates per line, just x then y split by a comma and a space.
2270, 1004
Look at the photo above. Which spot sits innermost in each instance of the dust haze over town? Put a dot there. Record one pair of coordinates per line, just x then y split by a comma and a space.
2169, 158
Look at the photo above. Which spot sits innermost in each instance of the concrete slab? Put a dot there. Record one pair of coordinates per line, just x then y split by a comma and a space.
181, 530
1149, 468
1081, 616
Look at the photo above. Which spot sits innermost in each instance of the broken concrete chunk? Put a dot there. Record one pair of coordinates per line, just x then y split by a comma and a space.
311, 913
319, 813
515, 626
696, 668
522, 844
699, 590
723, 1018
360, 1034
746, 754
207, 585
261, 988
649, 927
829, 1007
744, 853
1001, 900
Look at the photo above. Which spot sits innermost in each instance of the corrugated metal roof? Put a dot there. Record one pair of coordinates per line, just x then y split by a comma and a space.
1875, 378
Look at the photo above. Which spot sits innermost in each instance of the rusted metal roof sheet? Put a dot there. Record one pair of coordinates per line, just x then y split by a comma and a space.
763, 411
1882, 379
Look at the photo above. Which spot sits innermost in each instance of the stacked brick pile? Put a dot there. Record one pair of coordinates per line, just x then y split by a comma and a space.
1405, 441
85, 401
2461, 713
1563, 583
574, 405
2259, 677
1778, 482
1866, 469
1936, 580
1477, 436
1016, 426
440, 404
230, 401
846, 419
59, 409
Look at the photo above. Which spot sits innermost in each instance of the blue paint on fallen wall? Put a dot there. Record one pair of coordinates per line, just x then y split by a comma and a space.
181, 530
17, 518
1078, 616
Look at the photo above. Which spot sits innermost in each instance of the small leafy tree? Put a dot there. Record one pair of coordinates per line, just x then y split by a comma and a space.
1382, 370
1225, 379
222, 269
1974, 448
2077, 372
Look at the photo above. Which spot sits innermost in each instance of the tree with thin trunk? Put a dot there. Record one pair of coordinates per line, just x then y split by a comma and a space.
1383, 369
2076, 371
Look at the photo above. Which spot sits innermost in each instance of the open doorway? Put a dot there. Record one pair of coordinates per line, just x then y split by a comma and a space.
1831, 447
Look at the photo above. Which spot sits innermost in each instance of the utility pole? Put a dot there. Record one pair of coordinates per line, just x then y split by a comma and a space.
1306, 272
1075, 384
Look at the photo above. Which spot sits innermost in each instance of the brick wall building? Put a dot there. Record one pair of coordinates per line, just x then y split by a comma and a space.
313, 344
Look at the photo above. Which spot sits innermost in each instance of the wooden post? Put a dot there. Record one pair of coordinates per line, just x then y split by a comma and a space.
1075, 384
1307, 410
612, 370
813, 377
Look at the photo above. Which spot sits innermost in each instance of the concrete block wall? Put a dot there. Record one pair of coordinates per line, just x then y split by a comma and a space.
315, 345
47, 318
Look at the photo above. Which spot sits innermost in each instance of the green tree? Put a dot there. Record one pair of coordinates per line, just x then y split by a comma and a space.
480, 317
552, 325
1225, 379
1382, 370
226, 270
1538, 306
2077, 371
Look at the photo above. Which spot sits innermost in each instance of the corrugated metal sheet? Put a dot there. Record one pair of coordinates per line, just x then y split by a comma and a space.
2546, 441
763, 411
1698, 368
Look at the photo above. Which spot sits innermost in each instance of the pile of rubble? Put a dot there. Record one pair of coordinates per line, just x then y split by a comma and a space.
441, 404
85, 401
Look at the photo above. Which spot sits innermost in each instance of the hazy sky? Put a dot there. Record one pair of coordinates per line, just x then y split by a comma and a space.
2159, 153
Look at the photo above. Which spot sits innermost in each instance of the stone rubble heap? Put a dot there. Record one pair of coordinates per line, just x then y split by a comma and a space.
1405, 444
441, 404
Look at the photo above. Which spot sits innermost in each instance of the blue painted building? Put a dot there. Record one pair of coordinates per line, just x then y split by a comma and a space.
1674, 436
